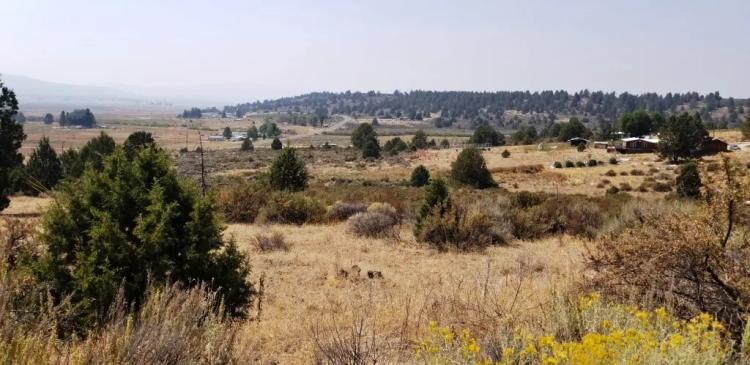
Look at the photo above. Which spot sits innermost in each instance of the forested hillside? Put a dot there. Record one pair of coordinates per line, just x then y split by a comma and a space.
504, 109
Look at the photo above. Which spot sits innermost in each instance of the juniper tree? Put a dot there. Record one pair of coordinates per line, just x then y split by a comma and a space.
288, 172
137, 141
419, 141
11, 137
470, 168
43, 170
371, 148
420, 176
689, 181
247, 145
276, 144
436, 200
132, 224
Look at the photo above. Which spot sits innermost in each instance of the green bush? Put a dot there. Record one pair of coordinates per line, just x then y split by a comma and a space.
592, 163
444, 143
395, 145
505, 154
362, 134
580, 164
557, 165
247, 145
613, 161
435, 195
420, 176
581, 147
689, 181
569, 164
371, 148
470, 168
613, 190
276, 144
134, 223
288, 172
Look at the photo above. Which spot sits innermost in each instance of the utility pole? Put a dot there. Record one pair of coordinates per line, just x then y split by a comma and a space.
203, 166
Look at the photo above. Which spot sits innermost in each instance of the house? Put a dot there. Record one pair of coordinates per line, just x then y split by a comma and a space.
575, 141
638, 145
713, 145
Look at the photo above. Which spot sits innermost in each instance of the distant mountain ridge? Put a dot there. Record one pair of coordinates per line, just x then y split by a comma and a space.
33, 90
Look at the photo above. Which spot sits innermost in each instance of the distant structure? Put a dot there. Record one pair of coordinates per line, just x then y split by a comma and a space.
713, 145
576, 141
638, 145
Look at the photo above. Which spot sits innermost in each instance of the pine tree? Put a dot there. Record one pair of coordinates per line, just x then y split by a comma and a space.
419, 141
49, 118
137, 141
288, 172
43, 169
252, 133
471, 169
133, 224
420, 176
276, 144
362, 134
371, 148
227, 133
745, 128
247, 145
435, 195
11, 137
681, 137
485, 134
689, 181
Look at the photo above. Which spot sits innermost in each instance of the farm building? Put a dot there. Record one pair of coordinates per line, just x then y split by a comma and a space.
713, 145
638, 145
602, 145
578, 141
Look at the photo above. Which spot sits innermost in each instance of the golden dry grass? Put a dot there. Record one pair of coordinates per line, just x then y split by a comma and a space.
306, 286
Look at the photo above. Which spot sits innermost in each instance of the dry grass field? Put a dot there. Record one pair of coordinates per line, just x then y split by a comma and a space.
330, 283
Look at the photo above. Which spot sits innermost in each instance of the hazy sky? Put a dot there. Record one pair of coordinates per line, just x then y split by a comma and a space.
238, 50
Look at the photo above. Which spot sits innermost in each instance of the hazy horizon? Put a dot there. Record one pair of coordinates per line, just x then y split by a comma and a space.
236, 51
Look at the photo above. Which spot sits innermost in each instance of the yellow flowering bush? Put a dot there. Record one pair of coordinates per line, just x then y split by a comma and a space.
614, 334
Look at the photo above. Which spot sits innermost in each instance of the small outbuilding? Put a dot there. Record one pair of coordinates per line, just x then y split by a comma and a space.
575, 141
713, 145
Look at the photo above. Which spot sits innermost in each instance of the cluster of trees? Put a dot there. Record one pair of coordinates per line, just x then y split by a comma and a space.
78, 117
566, 130
540, 108
365, 138
193, 113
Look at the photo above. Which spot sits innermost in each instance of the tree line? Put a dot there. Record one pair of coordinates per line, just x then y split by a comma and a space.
447, 108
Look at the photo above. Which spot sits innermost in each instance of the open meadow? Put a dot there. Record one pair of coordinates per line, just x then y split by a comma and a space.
326, 293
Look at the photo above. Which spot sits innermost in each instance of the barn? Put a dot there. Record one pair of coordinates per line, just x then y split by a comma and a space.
713, 145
